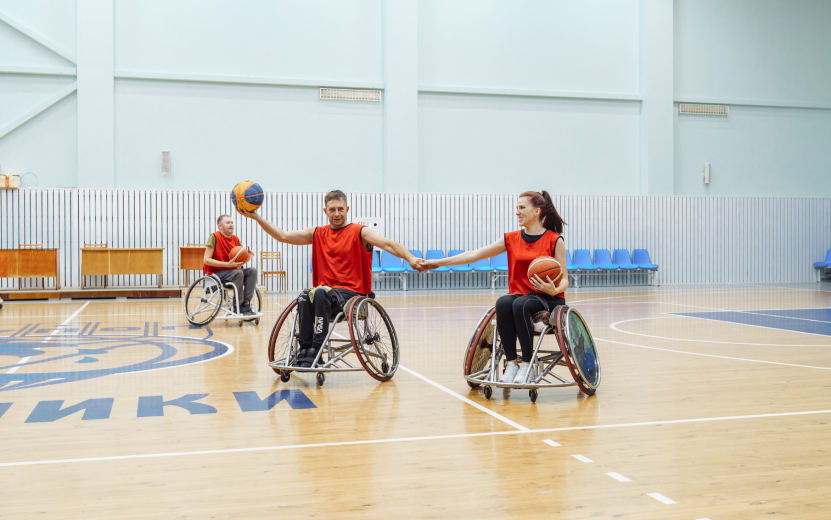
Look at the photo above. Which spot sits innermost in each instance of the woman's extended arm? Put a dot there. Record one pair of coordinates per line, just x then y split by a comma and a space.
467, 257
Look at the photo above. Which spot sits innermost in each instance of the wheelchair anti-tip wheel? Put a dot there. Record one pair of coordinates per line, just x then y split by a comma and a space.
203, 300
479, 351
374, 338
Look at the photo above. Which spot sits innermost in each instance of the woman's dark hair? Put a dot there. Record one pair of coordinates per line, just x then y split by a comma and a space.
549, 218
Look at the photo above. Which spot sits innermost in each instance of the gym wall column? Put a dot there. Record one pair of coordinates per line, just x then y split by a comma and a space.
96, 94
401, 95
657, 109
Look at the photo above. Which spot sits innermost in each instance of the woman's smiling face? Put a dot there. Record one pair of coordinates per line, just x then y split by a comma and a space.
526, 213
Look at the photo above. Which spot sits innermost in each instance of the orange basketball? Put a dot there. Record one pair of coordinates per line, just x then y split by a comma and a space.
239, 254
545, 266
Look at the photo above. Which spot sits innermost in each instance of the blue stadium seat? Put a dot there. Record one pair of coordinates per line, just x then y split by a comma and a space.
583, 260
437, 254
623, 260
500, 262
376, 267
417, 254
464, 268
641, 259
569, 265
603, 259
826, 263
482, 266
391, 263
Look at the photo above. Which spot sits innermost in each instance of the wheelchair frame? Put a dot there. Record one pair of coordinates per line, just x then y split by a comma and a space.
543, 361
228, 312
362, 345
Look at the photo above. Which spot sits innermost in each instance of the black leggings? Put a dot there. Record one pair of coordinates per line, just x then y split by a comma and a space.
513, 320
315, 317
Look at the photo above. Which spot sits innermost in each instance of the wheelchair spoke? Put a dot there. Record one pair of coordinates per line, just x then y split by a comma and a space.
374, 333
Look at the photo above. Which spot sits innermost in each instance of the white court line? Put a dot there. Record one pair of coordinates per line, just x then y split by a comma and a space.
715, 356
466, 400
661, 498
550, 443
261, 448
404, 439
619, 477
614, 325
581, 458
757, 313
66, 322
752, 325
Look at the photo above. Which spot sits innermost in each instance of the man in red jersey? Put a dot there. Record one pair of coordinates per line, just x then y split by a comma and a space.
341, 268
217, 261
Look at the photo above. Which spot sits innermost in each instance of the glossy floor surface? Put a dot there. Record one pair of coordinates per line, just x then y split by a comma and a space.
714, 403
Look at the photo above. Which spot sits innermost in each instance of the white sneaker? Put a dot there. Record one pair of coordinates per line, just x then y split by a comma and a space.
510, 372
522, 372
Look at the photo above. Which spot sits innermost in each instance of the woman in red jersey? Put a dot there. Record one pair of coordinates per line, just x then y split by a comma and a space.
540, 236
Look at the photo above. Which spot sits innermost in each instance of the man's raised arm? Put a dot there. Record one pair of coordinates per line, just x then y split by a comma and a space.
391, 246
300, 237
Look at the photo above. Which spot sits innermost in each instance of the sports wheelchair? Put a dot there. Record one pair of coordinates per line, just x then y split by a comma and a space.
576, 352
372, 339
208, 299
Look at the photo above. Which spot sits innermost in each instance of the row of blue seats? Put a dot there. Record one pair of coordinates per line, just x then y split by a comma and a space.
822, 267
582, 261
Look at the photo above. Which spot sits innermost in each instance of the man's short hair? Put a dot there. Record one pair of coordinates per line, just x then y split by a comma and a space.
219, 219
334, 195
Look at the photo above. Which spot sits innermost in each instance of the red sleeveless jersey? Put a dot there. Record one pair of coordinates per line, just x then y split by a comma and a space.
520, 256
222, 251
339, 259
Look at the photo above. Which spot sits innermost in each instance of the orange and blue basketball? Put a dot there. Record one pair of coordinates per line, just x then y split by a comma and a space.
247, 196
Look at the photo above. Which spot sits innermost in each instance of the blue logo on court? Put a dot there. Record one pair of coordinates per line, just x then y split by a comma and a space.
32, 361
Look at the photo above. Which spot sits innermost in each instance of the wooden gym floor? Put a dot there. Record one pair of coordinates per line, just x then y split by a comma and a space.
703, 412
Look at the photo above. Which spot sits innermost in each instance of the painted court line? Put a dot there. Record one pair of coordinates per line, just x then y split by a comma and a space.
244, 450
581, 458
619, 477
614, 325
661, 498
550, 442
465, 399
715, 356
385, 441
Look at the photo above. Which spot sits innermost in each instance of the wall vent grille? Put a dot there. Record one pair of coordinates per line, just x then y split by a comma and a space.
348, 94
704, 110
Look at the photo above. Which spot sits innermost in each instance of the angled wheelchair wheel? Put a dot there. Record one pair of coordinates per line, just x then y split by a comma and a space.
578, 348
374, 338
480, 348
256, 306
284, 337
203, 300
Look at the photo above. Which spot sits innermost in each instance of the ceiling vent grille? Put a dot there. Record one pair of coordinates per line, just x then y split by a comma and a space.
704, 110
348, 94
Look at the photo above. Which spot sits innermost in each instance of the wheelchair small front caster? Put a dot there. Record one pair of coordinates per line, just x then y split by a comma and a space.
240, 322
257, 321
488, 392
320, 378
533, 395
285, 375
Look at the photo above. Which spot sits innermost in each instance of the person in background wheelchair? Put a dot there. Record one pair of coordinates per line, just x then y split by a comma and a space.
540, 236
341, 268
218, 262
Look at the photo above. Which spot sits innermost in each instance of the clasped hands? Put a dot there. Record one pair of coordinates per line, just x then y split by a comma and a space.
421, 265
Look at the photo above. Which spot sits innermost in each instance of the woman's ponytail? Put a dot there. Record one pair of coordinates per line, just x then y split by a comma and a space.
549, 218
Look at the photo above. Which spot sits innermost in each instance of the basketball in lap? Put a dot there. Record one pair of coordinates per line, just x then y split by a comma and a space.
238, 254
545, 266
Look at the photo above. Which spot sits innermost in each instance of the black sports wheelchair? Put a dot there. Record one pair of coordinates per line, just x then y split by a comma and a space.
371, 339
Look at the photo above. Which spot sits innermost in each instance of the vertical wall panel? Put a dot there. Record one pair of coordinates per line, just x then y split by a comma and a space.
694, 239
